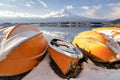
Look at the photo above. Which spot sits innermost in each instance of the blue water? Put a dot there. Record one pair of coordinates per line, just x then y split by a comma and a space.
66, 33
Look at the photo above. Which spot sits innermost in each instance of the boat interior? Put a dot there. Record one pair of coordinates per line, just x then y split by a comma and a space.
63, 45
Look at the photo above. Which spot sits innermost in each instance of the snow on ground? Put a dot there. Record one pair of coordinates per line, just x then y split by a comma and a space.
90, 72
42, 72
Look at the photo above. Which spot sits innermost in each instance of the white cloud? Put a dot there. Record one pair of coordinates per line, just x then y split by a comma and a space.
60, 13
96, 7
85, 7
51, 14
54, 14
114, 4
91, 11
11, 0
29, 4
10, 14
115, 13
7, 5
1, 4
69, 7
42, 3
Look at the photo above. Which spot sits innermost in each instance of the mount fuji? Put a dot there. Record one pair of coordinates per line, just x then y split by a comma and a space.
66, 16
55, 16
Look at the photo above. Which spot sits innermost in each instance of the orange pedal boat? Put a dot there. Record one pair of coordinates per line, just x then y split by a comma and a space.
100, 44
64, 54
22, 47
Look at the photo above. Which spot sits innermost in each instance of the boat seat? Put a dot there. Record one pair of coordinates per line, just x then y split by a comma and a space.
67, 47
61, 43
64, 46
70, 50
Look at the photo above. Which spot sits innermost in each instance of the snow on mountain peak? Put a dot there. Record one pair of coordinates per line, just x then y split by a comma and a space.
60, 13
64, 15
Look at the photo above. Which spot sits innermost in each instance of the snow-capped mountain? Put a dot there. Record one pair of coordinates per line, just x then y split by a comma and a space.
61, 13
66, 16
55, 16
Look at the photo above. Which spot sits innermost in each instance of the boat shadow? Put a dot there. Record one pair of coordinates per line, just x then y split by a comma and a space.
73, 73
22, 75
107, 65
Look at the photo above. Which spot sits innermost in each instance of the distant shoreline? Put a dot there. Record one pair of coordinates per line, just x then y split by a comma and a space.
67, 24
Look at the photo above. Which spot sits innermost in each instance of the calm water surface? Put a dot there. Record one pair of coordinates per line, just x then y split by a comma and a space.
66, 33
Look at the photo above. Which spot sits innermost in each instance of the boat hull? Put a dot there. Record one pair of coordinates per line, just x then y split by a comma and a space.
64, 60
25, 56
97, 45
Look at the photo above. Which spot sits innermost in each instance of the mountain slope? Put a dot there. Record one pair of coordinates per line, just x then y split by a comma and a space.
65, 16
55, 16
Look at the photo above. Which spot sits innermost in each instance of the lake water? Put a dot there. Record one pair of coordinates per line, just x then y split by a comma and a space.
66, 33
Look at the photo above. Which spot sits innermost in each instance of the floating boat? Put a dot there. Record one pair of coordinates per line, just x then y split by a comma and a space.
64, 54
21, 48
100, 44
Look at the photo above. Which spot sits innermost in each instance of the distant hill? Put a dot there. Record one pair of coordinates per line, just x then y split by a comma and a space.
116, 21
6, 24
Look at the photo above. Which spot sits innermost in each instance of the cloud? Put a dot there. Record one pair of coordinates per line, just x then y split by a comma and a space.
1, 4
109, 11
91, 11
7, 5
114, 4
85, 7
59, 13
29, 3
10, 14
69, 7
115, 13
11, 0
42, 3
91, 7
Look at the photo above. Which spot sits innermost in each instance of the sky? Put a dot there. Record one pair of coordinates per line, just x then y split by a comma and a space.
102, 9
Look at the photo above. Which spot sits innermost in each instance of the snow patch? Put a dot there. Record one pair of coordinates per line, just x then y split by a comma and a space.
11, 43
